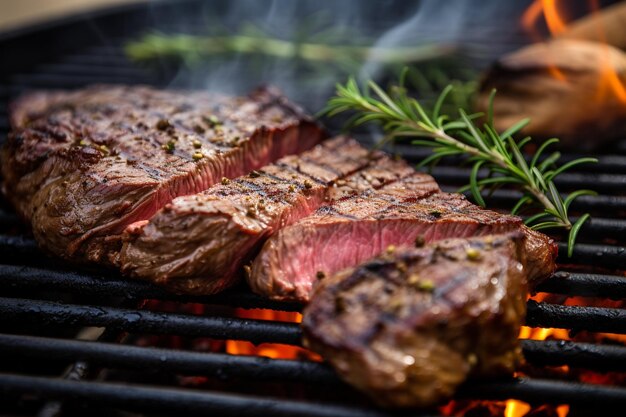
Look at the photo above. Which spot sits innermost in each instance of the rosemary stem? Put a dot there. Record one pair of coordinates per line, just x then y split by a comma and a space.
498, 160
155, 45
492, 157
488, 150
545, 201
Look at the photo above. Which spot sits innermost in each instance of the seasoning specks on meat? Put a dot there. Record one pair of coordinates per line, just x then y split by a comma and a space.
409, 327
200, 243
123, 152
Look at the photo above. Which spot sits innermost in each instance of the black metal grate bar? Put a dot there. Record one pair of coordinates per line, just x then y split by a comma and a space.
611, 164
601, 228
551, 353
586, 285
169, 360
603, 256
606, 358
32, 279
607, 205
134, 397
26, 278
8, 220
594, 319
78, 371
602, 183
20, 247
49, 313
159, 400
537, 391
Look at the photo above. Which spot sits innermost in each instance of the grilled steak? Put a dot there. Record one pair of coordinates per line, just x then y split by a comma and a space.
409, 327
350, 230
82, 166
199, 244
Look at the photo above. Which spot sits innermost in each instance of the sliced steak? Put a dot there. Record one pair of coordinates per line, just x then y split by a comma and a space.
409, 327
199, 244
351, 230
81, 166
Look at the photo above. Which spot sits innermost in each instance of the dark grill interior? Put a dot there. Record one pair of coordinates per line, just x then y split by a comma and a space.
45, 304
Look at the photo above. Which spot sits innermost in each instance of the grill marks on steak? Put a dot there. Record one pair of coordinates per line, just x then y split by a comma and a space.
409, 327
81, 166
199, 244
351, 230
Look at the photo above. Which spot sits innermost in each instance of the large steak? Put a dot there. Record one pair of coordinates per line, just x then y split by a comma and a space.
199, 243
81, 166
350, 230
409, 327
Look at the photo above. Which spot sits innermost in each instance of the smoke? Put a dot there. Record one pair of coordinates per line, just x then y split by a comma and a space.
470, 27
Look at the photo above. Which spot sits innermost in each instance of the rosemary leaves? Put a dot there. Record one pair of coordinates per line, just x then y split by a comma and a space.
497, 154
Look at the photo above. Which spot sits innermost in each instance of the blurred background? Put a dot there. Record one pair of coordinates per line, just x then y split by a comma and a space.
17, 13
306, 47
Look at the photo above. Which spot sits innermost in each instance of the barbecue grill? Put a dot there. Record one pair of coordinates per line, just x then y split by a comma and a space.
73, 339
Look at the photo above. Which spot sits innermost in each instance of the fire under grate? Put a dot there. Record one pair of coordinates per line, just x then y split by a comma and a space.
44, 304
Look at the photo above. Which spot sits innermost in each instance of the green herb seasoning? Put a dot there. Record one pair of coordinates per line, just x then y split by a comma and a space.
497, 153
169, 146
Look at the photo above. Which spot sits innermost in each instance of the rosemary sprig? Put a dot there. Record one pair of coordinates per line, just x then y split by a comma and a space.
193, 48
499, 154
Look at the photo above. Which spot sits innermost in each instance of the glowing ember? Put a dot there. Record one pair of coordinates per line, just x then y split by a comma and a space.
563, 334
270, 350
562, 410
516, 408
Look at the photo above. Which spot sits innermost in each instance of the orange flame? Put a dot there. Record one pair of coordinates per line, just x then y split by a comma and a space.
610, 82
530, 17
555, 24
537, 333
515, 408
553, 20
563, 334
270, 350
550, 12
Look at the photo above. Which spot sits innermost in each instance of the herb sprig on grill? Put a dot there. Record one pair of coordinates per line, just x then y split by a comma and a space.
498, 154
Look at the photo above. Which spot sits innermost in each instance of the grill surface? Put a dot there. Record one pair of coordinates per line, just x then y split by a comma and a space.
46, 371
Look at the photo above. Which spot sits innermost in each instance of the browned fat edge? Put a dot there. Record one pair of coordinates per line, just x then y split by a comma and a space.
90, 136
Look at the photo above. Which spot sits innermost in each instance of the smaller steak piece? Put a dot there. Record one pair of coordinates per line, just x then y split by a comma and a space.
351, 230
82, 165
409, 327
198, 244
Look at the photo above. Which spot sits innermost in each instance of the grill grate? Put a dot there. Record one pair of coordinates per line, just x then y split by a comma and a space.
44, 302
